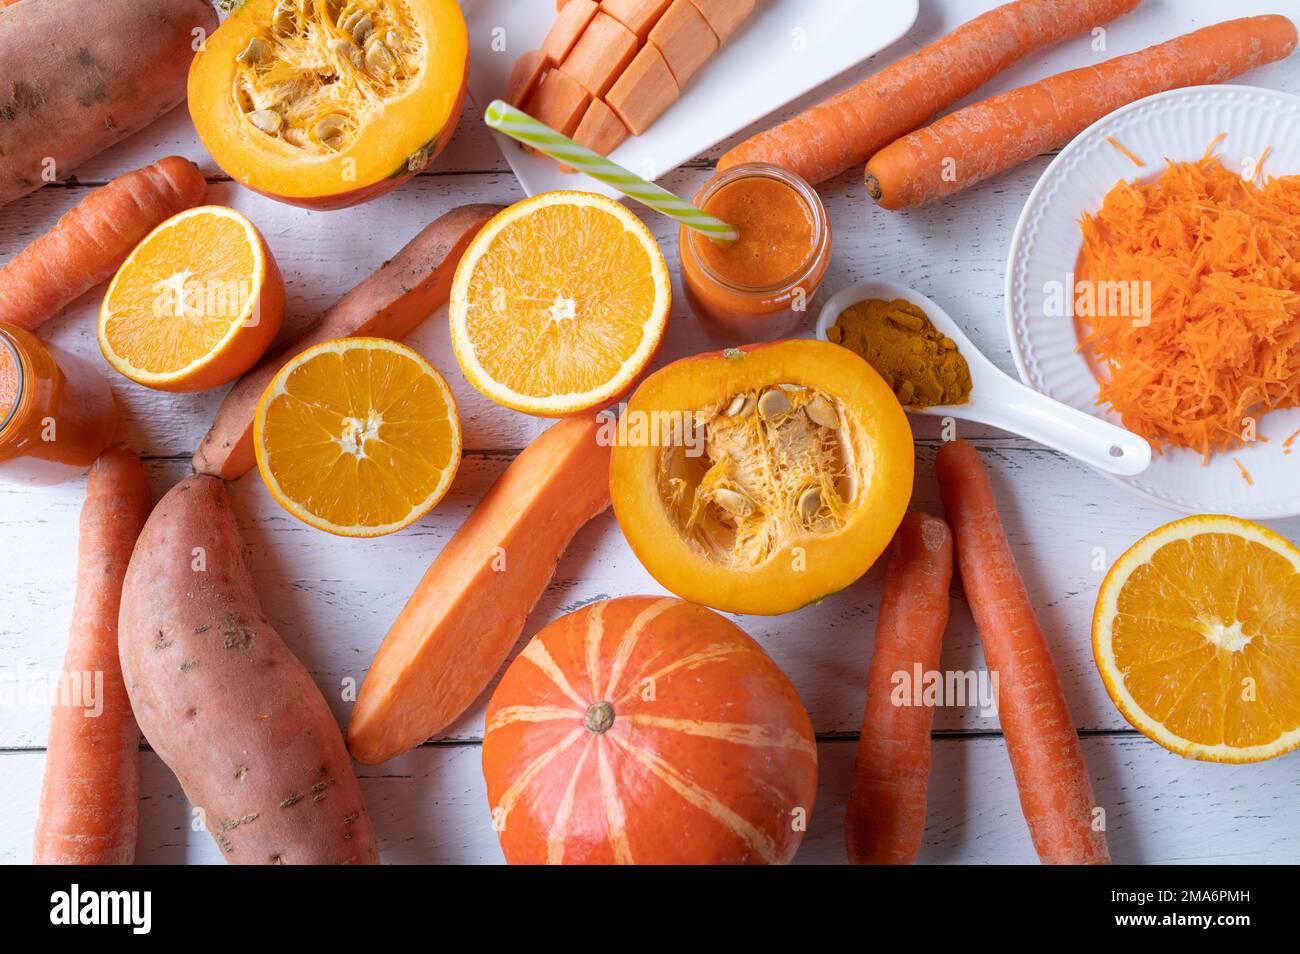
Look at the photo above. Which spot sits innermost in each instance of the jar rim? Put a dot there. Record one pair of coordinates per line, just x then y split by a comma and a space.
813, 201
8, 343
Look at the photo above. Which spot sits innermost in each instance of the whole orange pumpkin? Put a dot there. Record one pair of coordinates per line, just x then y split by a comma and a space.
647, 730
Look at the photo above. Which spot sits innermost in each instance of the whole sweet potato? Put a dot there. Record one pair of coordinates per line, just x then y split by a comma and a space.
224, 702
78, 77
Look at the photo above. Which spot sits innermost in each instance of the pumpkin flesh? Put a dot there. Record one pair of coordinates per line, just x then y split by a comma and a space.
326, 103
647, 730
806, 472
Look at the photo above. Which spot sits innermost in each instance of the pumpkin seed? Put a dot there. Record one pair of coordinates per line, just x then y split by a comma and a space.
810, 502
741, 404
792, 388
378, 59
329, 130
361, 29
773, 404
394, 40
820, 412
351, 20
267, 120
734, 502
256, 51
342, 47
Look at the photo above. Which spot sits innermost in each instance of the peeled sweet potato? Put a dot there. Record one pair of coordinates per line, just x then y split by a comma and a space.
78, 77
388, 304
224, 702
468, 610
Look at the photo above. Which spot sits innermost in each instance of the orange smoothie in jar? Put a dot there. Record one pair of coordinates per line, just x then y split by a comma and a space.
760, 287
57, 413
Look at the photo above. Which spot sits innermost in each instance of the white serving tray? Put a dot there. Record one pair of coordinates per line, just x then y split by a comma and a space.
1178, 126
787, 48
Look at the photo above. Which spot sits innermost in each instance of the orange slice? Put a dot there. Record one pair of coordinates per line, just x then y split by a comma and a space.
358, 436
559, 303
1197, 638
196, 303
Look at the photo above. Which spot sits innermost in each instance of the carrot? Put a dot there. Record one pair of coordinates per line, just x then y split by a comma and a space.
846, 129
1055, 790
93, 238
91, 790
982, 140
886, 815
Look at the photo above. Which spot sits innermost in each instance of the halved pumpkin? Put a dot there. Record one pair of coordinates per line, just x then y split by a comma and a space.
761, 479
328, 103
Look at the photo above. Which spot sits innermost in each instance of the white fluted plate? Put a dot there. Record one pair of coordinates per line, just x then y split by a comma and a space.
1178, 126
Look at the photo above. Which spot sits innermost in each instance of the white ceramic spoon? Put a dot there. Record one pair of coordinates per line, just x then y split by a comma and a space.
999, 400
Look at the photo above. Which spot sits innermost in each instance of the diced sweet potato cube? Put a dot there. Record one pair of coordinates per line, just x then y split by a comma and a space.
644, 91
724, 16
568, 26
559, 101
528, 69
600, 130
601, 54
639, 16
685, 39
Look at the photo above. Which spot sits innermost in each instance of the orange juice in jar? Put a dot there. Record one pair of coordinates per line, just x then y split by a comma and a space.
760, 287
56, 411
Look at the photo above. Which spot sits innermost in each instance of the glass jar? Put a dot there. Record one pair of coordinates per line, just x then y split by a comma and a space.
761, 287
56, 411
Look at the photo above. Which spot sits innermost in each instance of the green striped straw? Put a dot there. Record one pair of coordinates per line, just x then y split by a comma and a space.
517, 124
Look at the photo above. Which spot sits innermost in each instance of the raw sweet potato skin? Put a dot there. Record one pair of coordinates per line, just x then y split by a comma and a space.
388, 304
224, 702
78, 77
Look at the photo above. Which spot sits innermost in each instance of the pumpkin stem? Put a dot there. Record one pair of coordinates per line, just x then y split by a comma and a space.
599, 717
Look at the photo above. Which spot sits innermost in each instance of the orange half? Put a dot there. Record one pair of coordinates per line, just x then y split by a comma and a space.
358, 436
195, 304
559, 303
1197, 638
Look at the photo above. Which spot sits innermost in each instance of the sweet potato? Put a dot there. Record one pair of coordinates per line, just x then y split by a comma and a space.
467, 612
224, 702
78, 77
388, 304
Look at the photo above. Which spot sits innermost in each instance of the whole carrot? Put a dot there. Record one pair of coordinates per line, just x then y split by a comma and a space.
93, 238
886, 815
846, 129
984, 139
1055, 789
91, 789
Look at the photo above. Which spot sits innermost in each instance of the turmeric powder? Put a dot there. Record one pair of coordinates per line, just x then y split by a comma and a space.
922, 365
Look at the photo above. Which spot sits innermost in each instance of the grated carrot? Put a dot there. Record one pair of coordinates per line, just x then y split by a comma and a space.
1259, 166
1245, 474
1222, 258
1125, 151
1286, 444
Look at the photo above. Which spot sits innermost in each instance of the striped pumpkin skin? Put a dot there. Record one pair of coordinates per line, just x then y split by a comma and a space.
703, 755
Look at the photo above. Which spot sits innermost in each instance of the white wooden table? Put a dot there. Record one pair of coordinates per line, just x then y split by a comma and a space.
333, 599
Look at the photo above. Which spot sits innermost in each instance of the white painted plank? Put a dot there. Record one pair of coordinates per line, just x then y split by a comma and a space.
474, 150
322, 255
333, 599
430, 807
